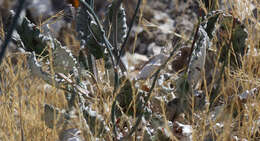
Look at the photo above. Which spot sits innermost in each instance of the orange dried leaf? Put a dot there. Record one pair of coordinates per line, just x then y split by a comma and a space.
75, 3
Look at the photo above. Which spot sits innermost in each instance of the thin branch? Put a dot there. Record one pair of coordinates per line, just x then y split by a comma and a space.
149, 94
193, 43
105, 40
11, 29
214, 93
139, 106
129, 30
116, 4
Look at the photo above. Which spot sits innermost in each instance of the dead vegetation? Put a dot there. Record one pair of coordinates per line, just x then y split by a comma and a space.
187, 78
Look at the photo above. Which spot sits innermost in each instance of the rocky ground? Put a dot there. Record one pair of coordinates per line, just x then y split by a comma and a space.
162, 25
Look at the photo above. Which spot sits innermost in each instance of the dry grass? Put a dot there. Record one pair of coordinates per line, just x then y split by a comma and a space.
23, 97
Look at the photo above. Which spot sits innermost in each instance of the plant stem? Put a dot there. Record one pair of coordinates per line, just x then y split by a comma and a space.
11, 29
105, 40
193, 43
149, 94
129, 30
215, 92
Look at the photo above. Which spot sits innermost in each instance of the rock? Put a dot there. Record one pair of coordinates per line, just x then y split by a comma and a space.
181, 60
72, 134
152, 66
133, 61
172, 110
153, 49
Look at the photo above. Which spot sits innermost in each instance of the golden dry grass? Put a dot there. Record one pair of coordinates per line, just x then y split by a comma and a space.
23, 97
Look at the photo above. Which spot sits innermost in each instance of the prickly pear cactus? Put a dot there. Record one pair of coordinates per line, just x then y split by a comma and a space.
32, 38
219, 25
121, 22
89, 34
197, 61
63, 60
